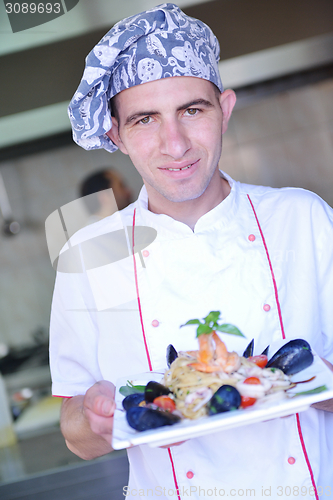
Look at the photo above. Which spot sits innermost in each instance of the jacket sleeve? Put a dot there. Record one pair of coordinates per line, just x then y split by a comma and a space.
73, 336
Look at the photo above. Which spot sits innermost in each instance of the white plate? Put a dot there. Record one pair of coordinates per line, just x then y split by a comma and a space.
124, 436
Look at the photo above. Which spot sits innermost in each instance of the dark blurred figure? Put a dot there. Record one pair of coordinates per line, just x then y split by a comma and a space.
100, 182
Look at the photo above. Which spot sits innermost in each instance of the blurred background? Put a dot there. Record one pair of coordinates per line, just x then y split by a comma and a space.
276, 55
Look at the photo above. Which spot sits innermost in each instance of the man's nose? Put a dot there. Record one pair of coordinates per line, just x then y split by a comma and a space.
174, 139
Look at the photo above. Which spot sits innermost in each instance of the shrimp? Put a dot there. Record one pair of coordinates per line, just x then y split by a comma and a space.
212, 360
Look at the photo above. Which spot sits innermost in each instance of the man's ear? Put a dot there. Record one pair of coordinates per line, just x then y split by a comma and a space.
227, 103
113, 133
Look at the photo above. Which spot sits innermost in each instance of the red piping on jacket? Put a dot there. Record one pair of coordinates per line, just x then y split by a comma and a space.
174, 474
138, 296
283, 336
271, 268
306, 455
146, 346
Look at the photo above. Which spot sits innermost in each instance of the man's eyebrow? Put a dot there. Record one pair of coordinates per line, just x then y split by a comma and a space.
197, 102
132, 118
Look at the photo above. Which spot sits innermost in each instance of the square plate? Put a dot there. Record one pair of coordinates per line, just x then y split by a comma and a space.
124, 436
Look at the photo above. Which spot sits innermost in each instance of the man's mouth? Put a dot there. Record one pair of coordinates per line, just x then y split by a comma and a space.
178, 169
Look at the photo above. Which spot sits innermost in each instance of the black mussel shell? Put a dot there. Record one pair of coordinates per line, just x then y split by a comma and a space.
226, 398
171, 354
133, 400
293, 357
143, 419
154, 390
249, 350
265, 351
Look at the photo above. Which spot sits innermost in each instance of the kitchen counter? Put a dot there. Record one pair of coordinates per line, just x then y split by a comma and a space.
42, 468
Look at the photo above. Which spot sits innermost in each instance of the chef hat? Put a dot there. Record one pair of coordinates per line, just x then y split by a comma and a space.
157, 43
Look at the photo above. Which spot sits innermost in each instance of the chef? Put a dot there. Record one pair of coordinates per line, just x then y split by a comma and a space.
261, 256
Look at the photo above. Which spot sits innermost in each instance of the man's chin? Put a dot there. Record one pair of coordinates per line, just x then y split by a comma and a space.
182, 196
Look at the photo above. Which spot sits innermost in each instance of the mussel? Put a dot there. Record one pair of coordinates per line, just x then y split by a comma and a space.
154, 390
265, 351
133, 400
171, 354
143, 419
293, 357
249, 350
226, 398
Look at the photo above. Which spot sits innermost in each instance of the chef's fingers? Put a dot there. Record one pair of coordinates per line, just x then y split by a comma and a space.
172, 444
99, 399
100, 425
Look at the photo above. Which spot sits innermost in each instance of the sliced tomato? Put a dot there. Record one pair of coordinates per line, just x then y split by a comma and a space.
260, 360
247, 401
165, 402
252, 380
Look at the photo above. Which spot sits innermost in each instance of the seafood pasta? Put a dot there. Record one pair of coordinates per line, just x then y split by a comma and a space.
212, 380
196, 378
193, 389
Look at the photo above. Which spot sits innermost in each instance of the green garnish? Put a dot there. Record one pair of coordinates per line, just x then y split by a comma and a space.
317, 390
210, 324
129, 388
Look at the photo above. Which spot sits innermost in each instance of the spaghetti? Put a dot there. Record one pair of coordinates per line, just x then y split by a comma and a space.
192, 389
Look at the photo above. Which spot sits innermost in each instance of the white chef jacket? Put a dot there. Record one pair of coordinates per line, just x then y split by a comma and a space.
263, 257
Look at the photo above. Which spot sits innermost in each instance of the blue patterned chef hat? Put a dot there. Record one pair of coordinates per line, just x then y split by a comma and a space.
158, 43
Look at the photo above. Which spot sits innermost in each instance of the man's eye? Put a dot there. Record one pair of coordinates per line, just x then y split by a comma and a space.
145, 120
192, 111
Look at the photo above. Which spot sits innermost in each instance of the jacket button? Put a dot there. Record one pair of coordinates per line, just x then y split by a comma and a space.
267, 307
252, 237
145, 253
291, 460
155, 322
189, 474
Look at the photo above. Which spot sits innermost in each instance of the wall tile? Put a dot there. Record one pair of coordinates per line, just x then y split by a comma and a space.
20, 311
325, 90
266, 162
300, 108
310, 155
257, 121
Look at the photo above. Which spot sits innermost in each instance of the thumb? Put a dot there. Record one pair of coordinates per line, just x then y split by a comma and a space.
107, 407
100, 404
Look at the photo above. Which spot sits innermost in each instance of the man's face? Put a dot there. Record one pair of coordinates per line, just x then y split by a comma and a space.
172, 131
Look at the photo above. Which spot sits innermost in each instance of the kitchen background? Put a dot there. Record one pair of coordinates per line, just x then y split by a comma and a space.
277, 55
282, 140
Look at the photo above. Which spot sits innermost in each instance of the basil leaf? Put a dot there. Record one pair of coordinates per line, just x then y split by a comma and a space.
203, 329
192, 322
213, 316
317, 390
231, 329
126, 390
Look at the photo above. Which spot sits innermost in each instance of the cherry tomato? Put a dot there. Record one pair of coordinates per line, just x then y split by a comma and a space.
260, 360
252, 380
165, 402
247, 401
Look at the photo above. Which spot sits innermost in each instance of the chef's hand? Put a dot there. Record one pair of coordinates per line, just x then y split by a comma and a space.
328, 404
99, 407
173, 444
87, 421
